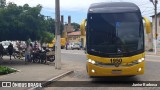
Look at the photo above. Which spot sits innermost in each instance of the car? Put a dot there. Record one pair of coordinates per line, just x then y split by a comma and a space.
73, 46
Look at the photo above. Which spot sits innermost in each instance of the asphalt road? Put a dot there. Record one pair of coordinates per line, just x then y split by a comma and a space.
77, 60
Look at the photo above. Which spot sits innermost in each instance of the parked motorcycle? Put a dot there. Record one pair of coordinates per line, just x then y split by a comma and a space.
50, 55
42, 56
47, 55
35, 57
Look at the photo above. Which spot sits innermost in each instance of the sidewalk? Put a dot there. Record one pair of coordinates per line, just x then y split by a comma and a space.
152, 53
31, 71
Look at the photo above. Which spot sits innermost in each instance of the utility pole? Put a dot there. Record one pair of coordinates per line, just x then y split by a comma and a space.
155, 2
57, 32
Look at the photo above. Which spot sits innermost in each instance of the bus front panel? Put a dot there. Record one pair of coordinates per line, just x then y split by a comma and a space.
100, 66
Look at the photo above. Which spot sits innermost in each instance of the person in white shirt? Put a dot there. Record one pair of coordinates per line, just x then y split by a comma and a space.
28, 52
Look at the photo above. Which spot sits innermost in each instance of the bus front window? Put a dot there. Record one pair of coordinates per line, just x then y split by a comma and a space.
114, 33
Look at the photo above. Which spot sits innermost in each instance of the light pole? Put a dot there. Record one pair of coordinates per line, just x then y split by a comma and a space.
155, 2
57, 34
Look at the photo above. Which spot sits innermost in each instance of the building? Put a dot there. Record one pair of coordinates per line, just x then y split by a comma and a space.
76, 37
158, 28
67, 27
71, 35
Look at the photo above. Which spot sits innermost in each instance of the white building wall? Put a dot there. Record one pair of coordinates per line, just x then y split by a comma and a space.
158, 31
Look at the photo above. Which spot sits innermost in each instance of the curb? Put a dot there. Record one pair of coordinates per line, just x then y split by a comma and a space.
52, 79
16, 69
152, 55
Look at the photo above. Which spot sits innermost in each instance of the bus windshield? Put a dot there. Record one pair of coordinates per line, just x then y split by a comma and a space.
114, 33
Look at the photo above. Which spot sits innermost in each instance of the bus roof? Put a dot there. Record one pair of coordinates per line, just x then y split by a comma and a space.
113, 7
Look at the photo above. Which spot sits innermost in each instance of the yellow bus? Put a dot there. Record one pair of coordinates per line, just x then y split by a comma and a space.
115, 39
63, 43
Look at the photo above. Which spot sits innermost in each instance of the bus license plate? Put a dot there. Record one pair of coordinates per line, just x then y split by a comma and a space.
116, 71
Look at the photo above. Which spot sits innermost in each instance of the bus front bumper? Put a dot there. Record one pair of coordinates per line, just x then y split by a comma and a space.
94, 70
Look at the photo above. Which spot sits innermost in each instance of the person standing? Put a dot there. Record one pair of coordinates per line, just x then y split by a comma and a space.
1, 51
10, 50
28, 52
67, 45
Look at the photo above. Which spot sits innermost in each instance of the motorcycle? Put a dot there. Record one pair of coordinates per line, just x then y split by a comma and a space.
47, 55
35, 57
18, 54
42, 56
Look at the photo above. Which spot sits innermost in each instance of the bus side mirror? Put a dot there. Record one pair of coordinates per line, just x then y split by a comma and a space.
147, 25
83, 27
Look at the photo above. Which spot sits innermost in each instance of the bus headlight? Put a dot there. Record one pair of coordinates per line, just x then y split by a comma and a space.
139, 69
91, 61
93, 71
136, 62
140, 60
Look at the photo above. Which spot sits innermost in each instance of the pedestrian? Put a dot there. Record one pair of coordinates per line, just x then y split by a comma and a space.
28, 52
10, 50
36, 46
67, 45
1, 50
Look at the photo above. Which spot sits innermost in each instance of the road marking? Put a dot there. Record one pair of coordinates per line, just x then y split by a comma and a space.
73, 53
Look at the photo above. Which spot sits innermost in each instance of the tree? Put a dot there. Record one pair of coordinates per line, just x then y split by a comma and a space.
24, 22
2, 3
76, 26
47, 37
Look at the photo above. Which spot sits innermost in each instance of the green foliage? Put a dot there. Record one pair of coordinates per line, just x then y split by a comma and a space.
47, 37
24, 22
6, 70
76, 26
2, 3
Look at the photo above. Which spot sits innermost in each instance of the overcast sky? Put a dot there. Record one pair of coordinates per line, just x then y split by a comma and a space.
78, 8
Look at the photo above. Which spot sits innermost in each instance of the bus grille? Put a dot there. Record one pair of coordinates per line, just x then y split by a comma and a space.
112, 65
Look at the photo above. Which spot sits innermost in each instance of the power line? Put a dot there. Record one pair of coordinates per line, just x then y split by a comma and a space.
146, 9
149, 7
144, 4
149, 10
148, 13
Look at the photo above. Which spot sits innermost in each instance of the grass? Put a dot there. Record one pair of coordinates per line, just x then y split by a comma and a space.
6, 70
